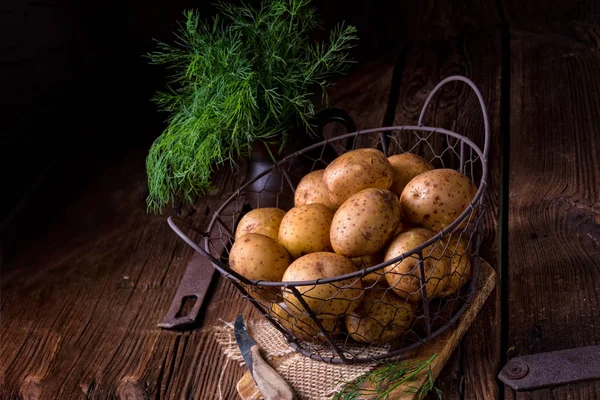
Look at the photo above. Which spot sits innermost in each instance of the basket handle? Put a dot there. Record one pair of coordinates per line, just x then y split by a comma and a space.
486, 122
188, 240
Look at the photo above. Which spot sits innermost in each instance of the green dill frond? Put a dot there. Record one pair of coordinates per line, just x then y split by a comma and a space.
240, 78
389, 376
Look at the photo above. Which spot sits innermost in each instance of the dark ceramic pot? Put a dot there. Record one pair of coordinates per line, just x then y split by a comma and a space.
273, 189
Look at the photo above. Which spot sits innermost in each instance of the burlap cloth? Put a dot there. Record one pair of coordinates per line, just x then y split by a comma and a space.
310, 379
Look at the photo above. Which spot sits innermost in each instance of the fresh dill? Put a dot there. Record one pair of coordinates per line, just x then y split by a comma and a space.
381, 382
245, 76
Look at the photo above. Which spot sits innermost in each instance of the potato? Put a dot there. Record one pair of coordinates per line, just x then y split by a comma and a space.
305, 229
405, 167
434, 199
459, 253
301, 325
311, 189
265, 221
405, 276
258, 257
365, 222
382, 317
354, 171
329, 300
369, 261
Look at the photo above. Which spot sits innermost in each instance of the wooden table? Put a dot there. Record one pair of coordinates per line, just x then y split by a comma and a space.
84, 288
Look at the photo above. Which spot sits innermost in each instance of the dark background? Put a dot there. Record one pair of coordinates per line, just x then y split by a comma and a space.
76, 88
75, 93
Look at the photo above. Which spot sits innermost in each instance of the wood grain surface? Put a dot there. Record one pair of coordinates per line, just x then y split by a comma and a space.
554, 18
80, 302
90, 273
554, 220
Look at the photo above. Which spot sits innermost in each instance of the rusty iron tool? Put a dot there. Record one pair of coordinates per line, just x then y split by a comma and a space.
553, 368
194, 284
270, 383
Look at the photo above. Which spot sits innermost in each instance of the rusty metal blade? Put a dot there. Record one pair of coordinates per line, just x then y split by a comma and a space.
244, 341
554, 368
194, 283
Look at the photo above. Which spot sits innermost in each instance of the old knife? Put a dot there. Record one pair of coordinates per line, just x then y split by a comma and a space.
270, 383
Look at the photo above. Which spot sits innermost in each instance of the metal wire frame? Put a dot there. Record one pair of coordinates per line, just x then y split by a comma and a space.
336, 352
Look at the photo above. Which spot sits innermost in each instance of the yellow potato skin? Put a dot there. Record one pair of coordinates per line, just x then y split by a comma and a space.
265, 221
301, 325
434, 199
312, 189
459, 253
258, 257
404, 168
354, 171
305, 229
404, 277
365, 222
369, 261
329, 300
382, 317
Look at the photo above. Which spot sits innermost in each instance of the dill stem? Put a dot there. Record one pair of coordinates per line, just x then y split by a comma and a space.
270, 153
408, 378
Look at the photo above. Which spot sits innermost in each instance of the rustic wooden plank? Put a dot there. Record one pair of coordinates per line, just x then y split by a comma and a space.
553, 17
472, 373
388, 26
554, 223
450, 19
80, 302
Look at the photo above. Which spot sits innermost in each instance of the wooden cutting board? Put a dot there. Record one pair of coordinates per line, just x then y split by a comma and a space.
443, 346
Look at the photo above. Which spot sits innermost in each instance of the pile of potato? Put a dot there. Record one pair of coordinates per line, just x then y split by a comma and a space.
362, 210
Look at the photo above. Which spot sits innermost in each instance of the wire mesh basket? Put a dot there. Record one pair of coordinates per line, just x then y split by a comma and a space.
381, 320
